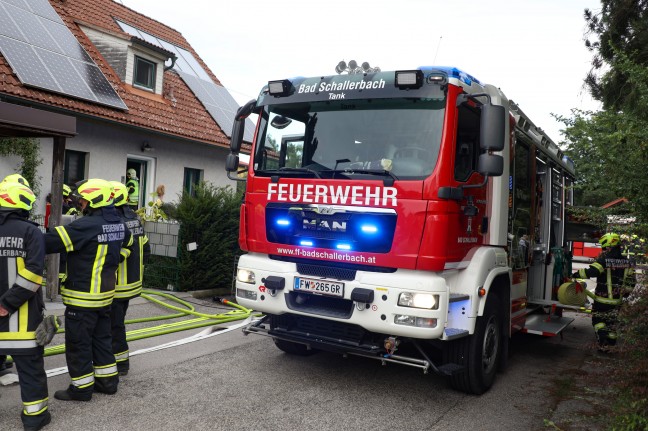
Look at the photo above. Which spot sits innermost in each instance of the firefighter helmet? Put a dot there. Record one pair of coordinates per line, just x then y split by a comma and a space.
16, 196
120, 193
66, 190
16, 178
609, 240
98, 192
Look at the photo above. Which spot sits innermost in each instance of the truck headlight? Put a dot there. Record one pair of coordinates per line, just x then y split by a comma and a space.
419, 300
245, 276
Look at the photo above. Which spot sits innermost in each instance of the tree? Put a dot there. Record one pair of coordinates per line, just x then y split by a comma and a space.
610, 151
610, 147
616, 35
29, 150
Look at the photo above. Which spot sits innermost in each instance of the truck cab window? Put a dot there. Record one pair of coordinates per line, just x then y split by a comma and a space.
467, 145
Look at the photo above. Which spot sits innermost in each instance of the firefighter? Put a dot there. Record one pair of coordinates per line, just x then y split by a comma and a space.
22, 256
94, 248
69, 207
129, 277
132, 184
614, 279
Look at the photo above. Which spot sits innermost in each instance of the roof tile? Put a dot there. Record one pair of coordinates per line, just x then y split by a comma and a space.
185, 117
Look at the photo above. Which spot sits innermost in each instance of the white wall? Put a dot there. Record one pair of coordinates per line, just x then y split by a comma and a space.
109, 146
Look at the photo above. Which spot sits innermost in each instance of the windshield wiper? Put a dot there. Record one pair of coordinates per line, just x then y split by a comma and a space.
287, 169
292, 170
382, 172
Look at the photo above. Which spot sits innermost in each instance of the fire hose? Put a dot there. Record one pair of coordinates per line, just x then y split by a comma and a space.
185, 309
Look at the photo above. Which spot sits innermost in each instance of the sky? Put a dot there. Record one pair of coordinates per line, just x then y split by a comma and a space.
533, 50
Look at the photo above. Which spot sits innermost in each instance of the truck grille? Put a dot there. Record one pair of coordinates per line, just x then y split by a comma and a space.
326, 271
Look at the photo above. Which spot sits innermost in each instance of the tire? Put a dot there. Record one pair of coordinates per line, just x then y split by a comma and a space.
479, 353
296, 349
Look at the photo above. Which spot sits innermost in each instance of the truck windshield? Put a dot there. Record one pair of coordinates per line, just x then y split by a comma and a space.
357, 139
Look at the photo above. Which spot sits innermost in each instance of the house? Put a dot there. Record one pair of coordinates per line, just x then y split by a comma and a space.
141, 96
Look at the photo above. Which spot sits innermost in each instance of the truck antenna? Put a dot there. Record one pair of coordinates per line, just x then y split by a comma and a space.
437, 50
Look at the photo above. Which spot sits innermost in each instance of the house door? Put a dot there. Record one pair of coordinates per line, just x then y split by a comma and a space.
145, 168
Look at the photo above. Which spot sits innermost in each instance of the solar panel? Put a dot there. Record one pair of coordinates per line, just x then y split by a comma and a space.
43, 53
217, 100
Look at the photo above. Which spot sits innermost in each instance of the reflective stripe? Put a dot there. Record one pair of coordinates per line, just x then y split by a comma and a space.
599, 326
83, 381
26, 284
122, 270
67, 242
27, 274
598, 266
106, 370
125, 252
128, 293
23, 317
35, 407
121, 357
582, 273
100, 260
17, 344
612, 335
608, 280
13, 322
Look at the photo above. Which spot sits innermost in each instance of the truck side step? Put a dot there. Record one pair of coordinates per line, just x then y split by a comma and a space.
452, 333
450, 369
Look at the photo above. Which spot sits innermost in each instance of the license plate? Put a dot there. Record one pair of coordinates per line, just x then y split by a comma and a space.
322, 287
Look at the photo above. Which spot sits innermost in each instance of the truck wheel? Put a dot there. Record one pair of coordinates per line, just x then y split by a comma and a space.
294, 348
479, 353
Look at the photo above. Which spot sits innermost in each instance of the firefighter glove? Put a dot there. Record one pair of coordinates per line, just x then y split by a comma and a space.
47, 329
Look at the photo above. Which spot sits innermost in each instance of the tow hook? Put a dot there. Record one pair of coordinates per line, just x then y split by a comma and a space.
391, 345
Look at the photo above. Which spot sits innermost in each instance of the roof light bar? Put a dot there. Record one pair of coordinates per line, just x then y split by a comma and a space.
409, 79
280, 88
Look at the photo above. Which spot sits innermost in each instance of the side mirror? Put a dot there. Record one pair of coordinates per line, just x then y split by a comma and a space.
237, 135
493, 126
232, 162
491, 165
238, 128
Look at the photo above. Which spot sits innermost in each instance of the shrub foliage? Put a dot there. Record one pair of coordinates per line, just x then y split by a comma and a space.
209, 218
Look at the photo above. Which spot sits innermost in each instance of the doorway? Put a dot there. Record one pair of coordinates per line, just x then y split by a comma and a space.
145, 169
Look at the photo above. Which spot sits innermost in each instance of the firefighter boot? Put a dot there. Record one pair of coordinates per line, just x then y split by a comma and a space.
106, 386
71, 395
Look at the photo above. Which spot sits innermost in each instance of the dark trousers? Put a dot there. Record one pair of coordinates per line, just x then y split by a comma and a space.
33, 388
88, 350
118, 311
604, 319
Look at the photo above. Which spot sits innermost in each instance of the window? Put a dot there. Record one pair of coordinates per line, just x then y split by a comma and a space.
339, 140
192, 178
520, 224
467, 150
75, 167
144, 73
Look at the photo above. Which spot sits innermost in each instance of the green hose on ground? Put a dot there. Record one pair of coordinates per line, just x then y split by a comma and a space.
200, 320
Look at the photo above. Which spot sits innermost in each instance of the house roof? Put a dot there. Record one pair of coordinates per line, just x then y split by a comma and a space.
178, 112
615, 203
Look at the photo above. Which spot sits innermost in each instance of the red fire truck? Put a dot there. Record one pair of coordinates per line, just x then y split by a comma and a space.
412, 216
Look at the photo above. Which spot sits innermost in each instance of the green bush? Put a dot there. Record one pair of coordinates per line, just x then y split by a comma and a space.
210, 218
630, 377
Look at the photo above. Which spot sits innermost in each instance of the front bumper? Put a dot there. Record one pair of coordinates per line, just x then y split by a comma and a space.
377, 316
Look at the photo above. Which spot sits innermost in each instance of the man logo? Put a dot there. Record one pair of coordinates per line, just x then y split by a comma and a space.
323, 225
